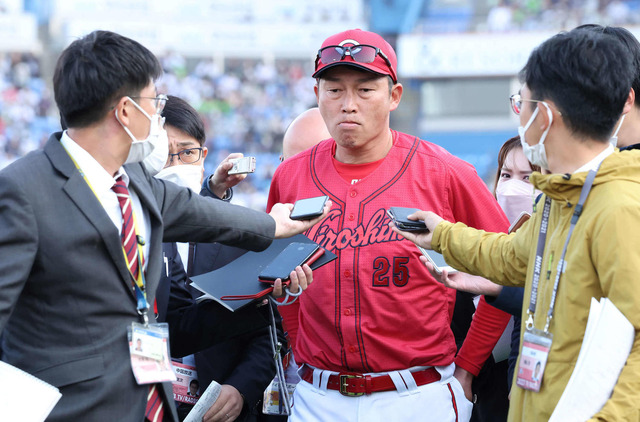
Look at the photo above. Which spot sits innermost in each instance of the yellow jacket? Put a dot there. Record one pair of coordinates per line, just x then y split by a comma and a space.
603, 260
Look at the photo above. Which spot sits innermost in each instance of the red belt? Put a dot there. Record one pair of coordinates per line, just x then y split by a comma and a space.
358, 384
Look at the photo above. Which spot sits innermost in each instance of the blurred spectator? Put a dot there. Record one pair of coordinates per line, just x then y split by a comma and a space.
27, 114
500, 17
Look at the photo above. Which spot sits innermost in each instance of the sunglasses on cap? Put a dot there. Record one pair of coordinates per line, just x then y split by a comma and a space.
360, 53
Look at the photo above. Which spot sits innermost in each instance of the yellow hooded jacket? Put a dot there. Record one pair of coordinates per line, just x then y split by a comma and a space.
602, 260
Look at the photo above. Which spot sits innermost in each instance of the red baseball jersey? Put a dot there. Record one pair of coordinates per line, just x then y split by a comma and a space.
376, 308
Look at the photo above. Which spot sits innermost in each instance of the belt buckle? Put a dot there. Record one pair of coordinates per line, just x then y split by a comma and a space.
344, 384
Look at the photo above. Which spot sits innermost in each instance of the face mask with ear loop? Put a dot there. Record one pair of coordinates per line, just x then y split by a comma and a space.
614, 139
154, 149
515, 196
186, 175
536, 154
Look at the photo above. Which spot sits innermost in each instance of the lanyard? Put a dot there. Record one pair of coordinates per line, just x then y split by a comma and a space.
542, 236
276, 348
139, 282
139, 285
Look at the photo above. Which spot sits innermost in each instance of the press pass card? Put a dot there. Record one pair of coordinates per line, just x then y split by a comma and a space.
184, 389
149, 350
533, 359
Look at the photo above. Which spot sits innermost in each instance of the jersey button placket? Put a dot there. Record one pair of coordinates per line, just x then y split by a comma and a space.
347, 276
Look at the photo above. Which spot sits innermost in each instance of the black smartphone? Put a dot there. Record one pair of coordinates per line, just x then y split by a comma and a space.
294, 254
306, 209
399, 216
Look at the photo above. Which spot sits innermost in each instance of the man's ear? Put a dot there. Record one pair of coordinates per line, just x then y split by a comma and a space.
630, 102
544, 112
123, 110
396, 96
205, 151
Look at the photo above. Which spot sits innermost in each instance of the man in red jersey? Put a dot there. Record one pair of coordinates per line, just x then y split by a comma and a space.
372, 333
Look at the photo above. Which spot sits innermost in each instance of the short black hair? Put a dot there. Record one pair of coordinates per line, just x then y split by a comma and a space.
587, 75
95, 71
195, 381
629, 41
179, 114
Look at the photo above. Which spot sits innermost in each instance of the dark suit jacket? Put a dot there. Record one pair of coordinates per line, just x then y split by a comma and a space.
510, 300
246, 361
239, 350
196, 326
67, 297
490, 386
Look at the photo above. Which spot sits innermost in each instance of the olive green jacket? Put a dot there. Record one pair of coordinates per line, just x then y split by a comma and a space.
602, 260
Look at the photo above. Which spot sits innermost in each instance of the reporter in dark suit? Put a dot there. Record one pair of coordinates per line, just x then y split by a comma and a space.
67, 295
243, 365
239, 355
195, 327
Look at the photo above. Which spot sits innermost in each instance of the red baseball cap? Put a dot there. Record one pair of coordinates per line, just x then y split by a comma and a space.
380, 59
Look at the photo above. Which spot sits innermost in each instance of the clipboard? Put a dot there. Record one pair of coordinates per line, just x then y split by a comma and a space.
241, 276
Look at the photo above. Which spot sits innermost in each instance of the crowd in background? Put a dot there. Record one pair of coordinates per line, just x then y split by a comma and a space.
246, 107
27, 110
508, 15
439, 16
248, 104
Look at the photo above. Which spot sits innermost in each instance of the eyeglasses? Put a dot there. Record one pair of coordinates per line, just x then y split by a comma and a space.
360, 53
516, 103
159, 102
186, 156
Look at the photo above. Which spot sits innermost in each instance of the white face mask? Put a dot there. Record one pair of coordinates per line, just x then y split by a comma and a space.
536, 154
157, 142
155, 161
614, 139
188, 176
515, 196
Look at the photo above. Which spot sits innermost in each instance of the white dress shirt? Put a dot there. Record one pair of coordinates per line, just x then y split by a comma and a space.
595, 162
101, 182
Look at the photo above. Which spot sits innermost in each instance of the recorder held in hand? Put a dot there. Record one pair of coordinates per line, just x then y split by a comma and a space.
243, 165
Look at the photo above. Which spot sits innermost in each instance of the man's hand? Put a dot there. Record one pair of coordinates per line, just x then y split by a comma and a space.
421, 238
465, 378
286, 227
227, 407
221, 180
300, 278
463, 281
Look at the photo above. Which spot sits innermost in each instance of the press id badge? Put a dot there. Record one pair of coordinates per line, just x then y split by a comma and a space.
272, 403
186, 387
149, 351
533, 359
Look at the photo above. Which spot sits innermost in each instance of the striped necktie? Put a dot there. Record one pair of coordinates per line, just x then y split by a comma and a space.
128, 233
154, 410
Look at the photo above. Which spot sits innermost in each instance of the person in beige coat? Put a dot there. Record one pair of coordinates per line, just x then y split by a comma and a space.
576, 85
